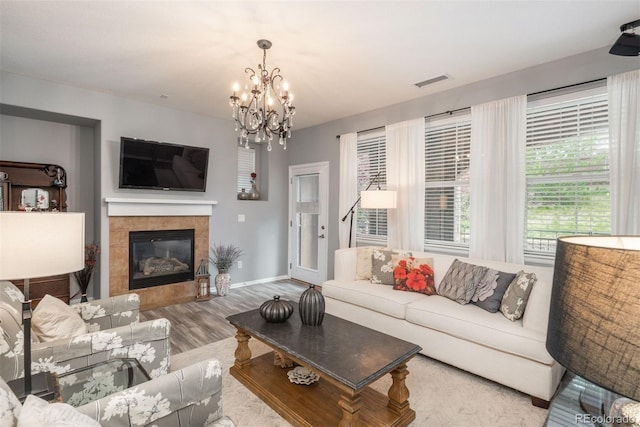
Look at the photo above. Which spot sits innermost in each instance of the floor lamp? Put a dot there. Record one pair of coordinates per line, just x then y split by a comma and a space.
594, 319
38, 244
376, 199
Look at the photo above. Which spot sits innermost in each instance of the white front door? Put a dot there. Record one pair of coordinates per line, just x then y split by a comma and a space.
308, 233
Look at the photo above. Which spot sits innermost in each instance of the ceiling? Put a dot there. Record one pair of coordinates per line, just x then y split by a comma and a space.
340, 58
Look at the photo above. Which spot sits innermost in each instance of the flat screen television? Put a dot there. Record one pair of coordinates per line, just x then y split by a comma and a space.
162, 166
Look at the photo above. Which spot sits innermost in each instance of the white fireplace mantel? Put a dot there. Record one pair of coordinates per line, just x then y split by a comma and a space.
158, 207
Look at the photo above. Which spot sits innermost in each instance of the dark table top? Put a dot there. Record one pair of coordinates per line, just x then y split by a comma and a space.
352, 354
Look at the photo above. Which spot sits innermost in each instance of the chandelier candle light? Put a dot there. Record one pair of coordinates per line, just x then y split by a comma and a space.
255, 111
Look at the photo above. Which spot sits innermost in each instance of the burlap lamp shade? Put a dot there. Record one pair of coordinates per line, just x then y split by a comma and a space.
594, 319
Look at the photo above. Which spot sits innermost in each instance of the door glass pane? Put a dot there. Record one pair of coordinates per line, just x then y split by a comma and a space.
307, 212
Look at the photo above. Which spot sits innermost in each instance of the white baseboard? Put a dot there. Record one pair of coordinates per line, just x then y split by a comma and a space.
258, 281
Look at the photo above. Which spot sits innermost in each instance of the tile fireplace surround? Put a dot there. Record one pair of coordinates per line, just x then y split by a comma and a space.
144, 217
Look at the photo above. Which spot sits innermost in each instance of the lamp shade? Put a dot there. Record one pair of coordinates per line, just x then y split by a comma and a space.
378, 199
626, 45
594, 319
39, 244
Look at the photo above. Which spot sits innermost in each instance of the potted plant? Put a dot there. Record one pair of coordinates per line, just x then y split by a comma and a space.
223, 257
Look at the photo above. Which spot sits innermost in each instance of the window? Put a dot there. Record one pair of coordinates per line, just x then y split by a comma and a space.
372, 159
246, 166
567, 169
447, 160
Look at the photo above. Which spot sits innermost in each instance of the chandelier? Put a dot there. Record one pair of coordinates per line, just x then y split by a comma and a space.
265, 107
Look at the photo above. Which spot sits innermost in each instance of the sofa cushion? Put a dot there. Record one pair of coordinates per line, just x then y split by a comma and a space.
488, 295
461, 280
363, 263
53, 320
517, 294
380, 298
474, 324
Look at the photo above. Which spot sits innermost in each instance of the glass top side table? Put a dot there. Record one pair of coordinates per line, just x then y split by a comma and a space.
101, 379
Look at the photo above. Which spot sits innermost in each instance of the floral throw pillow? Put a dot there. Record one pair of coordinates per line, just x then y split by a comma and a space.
490, 291
414, 275
382, 267
517, 294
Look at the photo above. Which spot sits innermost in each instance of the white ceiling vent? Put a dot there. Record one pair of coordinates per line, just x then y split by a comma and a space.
433, 80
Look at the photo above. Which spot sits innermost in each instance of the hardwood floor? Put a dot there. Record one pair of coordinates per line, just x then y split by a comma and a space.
194, 324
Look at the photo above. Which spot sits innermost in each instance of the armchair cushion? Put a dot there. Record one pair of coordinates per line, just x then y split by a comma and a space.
190, 396
118, 333
53, 320
9, 405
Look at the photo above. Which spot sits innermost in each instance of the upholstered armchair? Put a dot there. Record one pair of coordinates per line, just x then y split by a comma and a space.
114, 331
188, 397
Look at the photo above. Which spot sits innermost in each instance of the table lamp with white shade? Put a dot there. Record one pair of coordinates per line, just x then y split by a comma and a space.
38, 244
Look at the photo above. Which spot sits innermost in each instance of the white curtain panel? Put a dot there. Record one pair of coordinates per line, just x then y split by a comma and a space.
348, 193
405, 175
497, 180
624, 143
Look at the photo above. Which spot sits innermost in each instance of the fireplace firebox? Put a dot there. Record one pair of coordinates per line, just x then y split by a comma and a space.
160, 257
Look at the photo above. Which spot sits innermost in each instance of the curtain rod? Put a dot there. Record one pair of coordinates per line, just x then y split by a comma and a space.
529, 94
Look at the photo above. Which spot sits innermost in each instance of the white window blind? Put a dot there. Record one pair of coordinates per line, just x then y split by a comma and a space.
567, 169
447, 160
246, 165
372, 158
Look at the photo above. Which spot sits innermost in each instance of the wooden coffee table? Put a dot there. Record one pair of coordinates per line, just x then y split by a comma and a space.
347, 357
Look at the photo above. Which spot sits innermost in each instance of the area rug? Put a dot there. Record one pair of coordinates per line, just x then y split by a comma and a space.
441, 395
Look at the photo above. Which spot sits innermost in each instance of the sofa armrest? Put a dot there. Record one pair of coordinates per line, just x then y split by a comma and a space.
147, 341
193, 394
112, 312
344, 267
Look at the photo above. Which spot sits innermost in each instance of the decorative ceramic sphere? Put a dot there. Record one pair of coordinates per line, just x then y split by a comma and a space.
276, 311
311, 307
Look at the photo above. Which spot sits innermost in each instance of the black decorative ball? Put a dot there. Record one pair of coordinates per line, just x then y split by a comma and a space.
276, 311
311, 307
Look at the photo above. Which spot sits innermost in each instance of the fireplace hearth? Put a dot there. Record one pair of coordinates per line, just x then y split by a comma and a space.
160, 257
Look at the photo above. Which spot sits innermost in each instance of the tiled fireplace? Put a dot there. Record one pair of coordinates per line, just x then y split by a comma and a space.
145, 219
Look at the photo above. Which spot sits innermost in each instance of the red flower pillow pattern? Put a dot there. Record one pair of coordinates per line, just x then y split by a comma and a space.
414, 276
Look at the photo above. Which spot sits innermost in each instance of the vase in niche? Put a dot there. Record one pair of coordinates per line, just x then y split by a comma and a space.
311, 307
223, 283
276, 310
243, 195
254, 194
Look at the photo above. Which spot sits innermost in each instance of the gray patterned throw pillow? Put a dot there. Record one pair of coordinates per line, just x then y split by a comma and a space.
517, 295
382, 267
461, 280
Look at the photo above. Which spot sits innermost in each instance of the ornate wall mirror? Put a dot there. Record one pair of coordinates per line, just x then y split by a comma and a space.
35, 198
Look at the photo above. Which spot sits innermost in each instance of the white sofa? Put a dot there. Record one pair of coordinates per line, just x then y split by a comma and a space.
465, 336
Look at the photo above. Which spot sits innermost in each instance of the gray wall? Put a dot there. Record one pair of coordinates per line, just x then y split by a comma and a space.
70, 146
264, 234
319, 143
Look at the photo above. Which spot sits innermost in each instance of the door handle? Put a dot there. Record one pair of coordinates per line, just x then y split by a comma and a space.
321, 236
